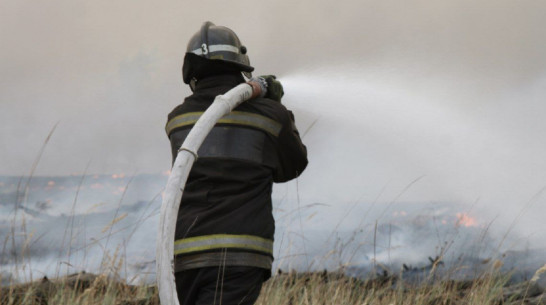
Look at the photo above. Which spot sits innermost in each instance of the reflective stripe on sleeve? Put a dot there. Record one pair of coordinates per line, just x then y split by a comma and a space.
182, 120
236, 118
220, 241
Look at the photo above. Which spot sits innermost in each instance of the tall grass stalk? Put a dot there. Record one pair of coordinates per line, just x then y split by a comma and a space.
22, 201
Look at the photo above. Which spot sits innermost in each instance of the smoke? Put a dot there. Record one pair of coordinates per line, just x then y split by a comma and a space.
380, 147
66, 226
103, 69
114, 218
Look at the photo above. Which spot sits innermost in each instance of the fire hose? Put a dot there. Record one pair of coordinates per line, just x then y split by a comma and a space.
187, 154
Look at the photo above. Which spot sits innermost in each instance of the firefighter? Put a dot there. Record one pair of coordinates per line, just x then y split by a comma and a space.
224, 232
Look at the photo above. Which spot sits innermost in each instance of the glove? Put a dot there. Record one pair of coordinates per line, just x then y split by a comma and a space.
274, 88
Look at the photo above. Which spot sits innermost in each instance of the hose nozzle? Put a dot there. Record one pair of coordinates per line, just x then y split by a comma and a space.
259, 87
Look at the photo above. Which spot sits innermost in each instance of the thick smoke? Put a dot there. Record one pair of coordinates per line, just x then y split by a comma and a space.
73, 224
112, 220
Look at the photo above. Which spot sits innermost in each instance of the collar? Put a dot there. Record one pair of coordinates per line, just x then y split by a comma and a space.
224, 80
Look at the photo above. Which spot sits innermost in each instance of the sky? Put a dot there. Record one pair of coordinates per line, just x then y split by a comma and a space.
399, 101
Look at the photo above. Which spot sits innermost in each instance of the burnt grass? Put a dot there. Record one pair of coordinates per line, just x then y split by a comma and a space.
88, 288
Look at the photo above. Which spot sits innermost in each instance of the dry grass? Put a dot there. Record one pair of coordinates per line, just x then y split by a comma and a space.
286, 289
78, 289
328, 288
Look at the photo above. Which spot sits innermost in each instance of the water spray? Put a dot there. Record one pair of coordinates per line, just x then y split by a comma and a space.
187, 154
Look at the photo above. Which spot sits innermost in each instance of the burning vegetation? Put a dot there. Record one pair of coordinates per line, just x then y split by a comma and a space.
396, 277
465, 220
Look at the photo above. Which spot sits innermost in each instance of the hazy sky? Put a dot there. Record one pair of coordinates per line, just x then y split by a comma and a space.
451, 91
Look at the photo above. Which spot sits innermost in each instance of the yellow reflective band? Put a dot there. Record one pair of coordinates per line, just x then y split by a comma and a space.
254, 120
182, 120
219, 241
236, 118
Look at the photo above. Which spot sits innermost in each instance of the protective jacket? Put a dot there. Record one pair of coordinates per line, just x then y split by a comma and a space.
225, 215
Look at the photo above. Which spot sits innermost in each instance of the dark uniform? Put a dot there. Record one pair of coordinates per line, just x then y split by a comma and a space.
225, 226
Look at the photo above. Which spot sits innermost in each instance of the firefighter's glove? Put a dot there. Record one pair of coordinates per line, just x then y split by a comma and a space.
274, 88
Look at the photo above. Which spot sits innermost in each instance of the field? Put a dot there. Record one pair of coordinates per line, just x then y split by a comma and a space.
284, 289
117, 221
435, 283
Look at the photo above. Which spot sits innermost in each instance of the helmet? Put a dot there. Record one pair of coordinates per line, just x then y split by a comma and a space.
213, 49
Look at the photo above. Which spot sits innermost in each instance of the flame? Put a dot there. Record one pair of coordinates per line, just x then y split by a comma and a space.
166, 173
465, 220
400, 213
50, 185
118, 176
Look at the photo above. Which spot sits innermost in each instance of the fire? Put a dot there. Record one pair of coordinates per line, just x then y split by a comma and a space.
118, 176
50, 185
166, 173
465, 220
400, 213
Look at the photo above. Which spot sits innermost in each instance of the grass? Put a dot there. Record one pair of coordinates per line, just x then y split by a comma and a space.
286, 289
78, 289
111, 288
290, 288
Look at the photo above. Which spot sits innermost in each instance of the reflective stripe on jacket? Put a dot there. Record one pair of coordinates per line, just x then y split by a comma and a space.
223, 241
240, 250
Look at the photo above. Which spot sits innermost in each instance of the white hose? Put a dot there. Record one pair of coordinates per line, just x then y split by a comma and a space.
222, 105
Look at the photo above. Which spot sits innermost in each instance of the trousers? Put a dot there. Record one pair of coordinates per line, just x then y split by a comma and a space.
222, 285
